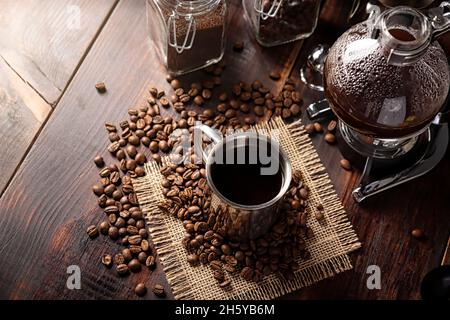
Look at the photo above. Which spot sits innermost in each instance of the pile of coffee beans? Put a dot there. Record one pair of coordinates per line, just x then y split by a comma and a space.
124, 222
188, 198
147, 134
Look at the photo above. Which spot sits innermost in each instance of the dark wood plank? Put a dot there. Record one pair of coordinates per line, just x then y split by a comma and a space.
49, 203
22, 112
383, 223
44, 40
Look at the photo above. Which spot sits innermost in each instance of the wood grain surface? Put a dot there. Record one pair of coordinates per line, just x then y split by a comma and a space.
48, 205
44, 40
22, 112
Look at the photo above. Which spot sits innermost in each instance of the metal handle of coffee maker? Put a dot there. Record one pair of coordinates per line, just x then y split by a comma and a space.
272, 12
173, 36
440, 19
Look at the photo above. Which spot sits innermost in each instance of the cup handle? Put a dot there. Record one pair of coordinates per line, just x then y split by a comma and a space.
198, 140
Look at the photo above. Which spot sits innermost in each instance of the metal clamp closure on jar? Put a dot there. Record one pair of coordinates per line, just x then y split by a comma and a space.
173, 34
272, 12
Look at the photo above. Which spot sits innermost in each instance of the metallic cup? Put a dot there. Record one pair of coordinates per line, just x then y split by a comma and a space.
244, 222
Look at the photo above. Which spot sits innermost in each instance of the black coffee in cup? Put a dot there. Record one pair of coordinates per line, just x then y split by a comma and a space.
243, 181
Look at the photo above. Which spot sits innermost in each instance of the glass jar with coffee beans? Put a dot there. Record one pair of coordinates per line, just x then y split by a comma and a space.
280, 21
187, 35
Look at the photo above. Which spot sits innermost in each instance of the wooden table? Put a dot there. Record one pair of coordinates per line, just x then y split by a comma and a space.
52, 53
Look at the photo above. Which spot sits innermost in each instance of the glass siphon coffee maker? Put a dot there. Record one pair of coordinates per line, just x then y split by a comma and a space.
387, 81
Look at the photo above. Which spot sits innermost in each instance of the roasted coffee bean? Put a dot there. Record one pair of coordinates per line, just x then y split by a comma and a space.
330, 138
206, 94
122, 269
153, 91
104, 227
134, 140
139, 171
193, 259
303, 193
226, 249
135, 249
157, 158
249, 120
150, 262
111, 209
110, 189
225, 284
114, 147
198, 100
345, 164
130, 164
98, 190
275, 75
247, 273
332, 126
113, 168
142, 257
145, 245
295, 109
417, 233
134, 265
127, 189
110, 127
102, 201
176, 84
99, 162
286, 113
132, 230
120, 222
115, 178
219, 275
317, 127
140, 290
107, 260
319, 215
164, 102
239, 255
244, 107
135, 240
310, 128
158, 290
160, 94
245, 96
119, 259
92, 231
143, 233
154, 146
122, 143
163, 146
113, 233
122, 232
113, 137
259, 111
105, 172
120, 155
230, 113
140, 159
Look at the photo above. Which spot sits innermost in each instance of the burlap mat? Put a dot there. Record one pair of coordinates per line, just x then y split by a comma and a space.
333, 238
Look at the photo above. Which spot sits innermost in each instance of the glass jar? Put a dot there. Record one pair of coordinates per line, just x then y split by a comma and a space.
187, 35
280, 21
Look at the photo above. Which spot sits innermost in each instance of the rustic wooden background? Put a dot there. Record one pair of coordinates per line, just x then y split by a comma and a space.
51, 127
